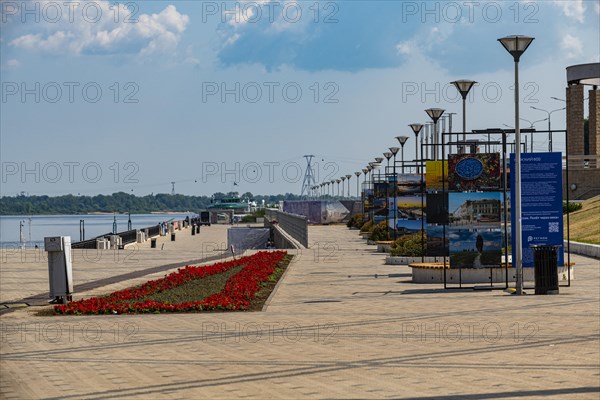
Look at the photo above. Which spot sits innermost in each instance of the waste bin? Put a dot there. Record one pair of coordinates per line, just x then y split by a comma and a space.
546, 270
193, 230
153, 243
172, 237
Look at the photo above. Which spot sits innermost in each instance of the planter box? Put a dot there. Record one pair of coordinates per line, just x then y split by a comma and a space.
480, 275
383, 248
399, 260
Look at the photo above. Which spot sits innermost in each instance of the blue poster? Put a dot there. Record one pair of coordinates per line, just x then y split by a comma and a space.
541, 202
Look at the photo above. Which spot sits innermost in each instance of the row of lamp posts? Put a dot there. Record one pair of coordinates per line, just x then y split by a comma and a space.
516, 45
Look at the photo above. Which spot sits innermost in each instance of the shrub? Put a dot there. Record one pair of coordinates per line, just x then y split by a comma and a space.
367, 227
570, 207
380, 232
409, 245
356, 221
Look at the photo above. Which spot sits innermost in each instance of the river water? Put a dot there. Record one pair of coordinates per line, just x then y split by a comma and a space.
36, 227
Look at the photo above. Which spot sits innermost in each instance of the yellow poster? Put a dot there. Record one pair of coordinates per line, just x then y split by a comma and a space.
433, 175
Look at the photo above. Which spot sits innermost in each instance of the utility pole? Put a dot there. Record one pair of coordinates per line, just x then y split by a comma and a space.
173, 188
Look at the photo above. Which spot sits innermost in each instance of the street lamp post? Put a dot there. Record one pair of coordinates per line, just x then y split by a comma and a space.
343, 178
394, 151
387, 155
348, 177
402, 140
378, 161
549, 123
357, 173
464, 86
416, 128
531, 126
516, 46
435, 114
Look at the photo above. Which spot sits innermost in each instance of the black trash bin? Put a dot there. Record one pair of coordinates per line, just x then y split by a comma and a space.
172, 237
153, 243
193, 230
545, 261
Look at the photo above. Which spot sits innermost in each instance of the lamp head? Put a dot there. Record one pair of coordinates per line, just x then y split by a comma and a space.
435, 113
416, 128
402, 140
464, 86
516, 45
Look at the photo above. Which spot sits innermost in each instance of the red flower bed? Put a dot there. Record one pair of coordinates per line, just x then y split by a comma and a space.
238, 292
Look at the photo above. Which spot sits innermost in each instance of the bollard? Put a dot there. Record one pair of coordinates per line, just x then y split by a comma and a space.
153, 243
172, 237
193, 230
198, 229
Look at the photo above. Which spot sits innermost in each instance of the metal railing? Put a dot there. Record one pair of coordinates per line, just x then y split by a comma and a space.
127, 237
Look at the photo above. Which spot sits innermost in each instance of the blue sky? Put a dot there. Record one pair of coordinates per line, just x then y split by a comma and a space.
203, 95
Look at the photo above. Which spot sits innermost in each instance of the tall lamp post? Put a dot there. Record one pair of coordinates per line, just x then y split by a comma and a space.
343, 178
348, 177
357, 173
378, 161
338, 186
416, 128
435, 114
549, 124
464, 86
516, 46
394, 151
402, 140
387, 155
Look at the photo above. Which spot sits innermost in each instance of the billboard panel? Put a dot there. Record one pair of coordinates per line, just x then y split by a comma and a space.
541, 203
474, 172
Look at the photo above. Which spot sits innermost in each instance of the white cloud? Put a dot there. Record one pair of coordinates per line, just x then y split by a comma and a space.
13, 63
572, 45
406, 47
145, 34
574, 9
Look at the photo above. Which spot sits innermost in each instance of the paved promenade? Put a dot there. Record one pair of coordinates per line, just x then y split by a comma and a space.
341, 325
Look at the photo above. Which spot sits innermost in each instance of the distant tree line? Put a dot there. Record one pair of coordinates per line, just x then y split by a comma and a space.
122, 203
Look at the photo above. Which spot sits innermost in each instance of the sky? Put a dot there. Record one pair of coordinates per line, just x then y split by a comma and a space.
99, 97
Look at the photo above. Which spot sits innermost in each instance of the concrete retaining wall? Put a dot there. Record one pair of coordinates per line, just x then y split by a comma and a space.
584, 249
294, 225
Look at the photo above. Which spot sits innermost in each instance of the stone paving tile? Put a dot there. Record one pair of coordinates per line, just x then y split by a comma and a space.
377, 337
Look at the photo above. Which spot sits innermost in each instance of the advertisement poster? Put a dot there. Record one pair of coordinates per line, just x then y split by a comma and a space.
437, 245
541, 203
380, 201
433, 175
437, 208
475, 237
474, 172
407, 226
475, 209
409, 183
475, 247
